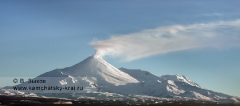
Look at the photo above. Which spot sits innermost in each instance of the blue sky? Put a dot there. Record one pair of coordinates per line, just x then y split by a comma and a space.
39, 36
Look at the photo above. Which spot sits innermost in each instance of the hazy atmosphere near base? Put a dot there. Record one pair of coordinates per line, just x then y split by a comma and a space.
197, 39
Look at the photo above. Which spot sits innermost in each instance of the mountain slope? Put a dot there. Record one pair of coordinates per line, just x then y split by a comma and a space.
176, 87
93, 74
96, 67
100, 79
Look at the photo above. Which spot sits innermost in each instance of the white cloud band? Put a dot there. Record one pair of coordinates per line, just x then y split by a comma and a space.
167, 39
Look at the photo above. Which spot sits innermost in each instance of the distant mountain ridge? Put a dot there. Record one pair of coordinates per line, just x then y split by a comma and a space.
102, 80
176, 86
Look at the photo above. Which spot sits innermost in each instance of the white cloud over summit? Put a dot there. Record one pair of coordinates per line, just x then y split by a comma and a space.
167, 39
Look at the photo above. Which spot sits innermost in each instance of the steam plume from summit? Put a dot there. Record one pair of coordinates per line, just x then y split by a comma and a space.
167, 39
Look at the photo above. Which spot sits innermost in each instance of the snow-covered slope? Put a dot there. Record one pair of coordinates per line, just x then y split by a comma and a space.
176, 87
96, 68
140, 75
93, 74
100, 79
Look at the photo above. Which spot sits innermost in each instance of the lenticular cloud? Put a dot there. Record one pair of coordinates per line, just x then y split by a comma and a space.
167, 39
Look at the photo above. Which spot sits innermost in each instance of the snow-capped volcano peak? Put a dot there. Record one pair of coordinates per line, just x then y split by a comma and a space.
96, 67
97, 56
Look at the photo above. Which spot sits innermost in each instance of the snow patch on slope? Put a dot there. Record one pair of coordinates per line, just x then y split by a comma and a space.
180, 78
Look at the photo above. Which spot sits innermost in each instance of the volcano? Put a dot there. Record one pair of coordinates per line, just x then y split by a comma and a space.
100, 80
97, 68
